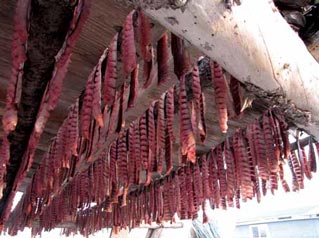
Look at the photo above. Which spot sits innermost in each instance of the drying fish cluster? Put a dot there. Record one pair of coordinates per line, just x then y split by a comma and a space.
123, 159
18, 51
20, 37
52, 91
145, 146
239, 169
88, 124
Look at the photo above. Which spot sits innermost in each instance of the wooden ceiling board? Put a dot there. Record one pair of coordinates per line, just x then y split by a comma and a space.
98, 31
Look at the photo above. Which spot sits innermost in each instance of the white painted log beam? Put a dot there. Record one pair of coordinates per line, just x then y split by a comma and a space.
253, 43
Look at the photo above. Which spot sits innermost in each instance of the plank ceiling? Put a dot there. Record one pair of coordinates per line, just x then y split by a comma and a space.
105, 16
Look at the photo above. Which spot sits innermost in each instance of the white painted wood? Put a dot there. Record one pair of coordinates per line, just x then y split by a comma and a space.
253, 43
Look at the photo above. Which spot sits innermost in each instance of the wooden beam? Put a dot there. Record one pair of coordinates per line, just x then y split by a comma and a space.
252, 42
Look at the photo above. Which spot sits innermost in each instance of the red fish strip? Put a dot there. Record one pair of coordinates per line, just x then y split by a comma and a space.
137, 148
122, 160
133, 88
220, 86
73, 129
269, 143
96, 107
163, 60
18, 49
86, 109
152, 138
188, 146
144, 141
132, 156
180, 56
230, 171
312, 157
144, 35
234, 86
110, 76
114, 114
160, 133
169, 112
128, 46
213, 180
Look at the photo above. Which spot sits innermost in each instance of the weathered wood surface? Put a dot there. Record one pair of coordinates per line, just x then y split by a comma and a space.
252, 42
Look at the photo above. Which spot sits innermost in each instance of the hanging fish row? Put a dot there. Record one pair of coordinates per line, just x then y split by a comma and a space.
49, 99
10, 115
77, 136
123, 165
54, 87
87, 127
120, 166
240, 168
145, 146
80, 137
